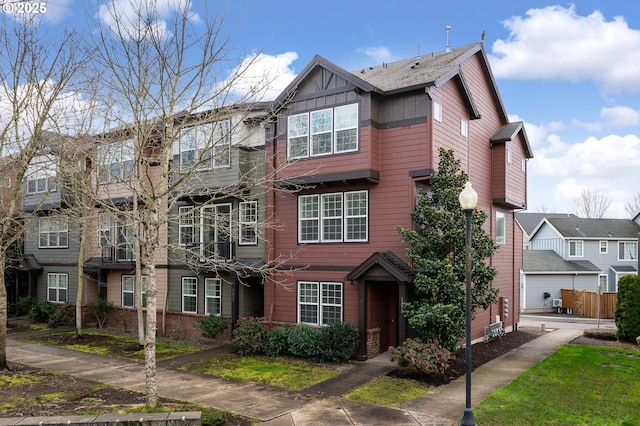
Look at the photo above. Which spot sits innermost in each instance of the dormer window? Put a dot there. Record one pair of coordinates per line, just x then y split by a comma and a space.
40, 176
323, 132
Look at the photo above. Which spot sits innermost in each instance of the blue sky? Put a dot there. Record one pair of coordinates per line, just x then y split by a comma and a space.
571, 72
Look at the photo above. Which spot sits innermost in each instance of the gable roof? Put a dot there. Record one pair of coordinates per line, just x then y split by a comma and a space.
529, 221
508, 132
606, 229
391, 263
548, 262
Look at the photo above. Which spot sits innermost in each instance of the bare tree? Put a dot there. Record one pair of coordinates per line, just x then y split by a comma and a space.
591, 204
35, 74
633, 206
164, 81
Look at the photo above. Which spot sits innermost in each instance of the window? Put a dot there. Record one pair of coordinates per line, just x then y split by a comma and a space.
186, 226
627, 250
323, 132
319, 303
40, 175
115, 238
128, 291
576, 248
104, 230
500, 228
54, 232
509, 157
604, 247
248, 227
464, 127
603, 282
206, 146
190, 294
333, 217
213, 296
116, 161
437, 112
523, 165
57, 285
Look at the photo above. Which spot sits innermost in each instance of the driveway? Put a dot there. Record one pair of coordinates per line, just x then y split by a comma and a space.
563, 321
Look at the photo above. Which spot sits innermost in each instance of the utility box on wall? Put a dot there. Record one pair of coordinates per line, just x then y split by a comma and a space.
503, 309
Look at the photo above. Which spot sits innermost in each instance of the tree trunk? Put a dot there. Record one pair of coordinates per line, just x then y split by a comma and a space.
3, 315
151, 389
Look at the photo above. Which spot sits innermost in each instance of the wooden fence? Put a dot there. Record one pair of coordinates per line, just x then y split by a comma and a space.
585, 303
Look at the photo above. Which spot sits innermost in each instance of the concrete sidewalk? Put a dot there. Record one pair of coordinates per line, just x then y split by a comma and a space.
318, 405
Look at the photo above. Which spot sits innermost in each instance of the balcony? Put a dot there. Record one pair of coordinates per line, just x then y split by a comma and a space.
212, 251
118, 253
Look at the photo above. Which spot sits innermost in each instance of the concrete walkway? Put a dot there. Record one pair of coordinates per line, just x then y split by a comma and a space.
317, 405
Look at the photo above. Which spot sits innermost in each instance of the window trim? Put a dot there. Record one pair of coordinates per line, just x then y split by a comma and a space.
214, 136
603, 244
622, 251
576, 244
437, 111
56, 280
144, 279
186, 220
194, 281
317, 300
464, 128
59, 232
218, 289
501, 228
247, 220
42, 171
122, 154
316, 214
301, 131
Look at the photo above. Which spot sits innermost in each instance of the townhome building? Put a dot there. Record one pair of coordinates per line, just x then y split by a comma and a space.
357, 148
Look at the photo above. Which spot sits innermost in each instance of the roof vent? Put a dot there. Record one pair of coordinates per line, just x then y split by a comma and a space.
447, 29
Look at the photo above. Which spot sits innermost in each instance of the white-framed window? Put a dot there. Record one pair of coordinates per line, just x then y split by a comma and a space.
186, 226
129, 288
509, 157
437, 112
115, 235
104, 230
501, 228
323, 132
464, 127
213, 296
319, 303
57, 287
53, 232
40, 176
627, 250
248, 222
206, 146
116, 161
603, 281
333, 217
604, 247
576, 248
523, 165
190, 294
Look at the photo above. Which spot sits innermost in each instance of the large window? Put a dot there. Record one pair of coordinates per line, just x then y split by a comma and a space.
209, 229
627, 250
206, 146
54, 232
190, 294
40, 176
129, 288
323, 132
333, 217
213, 296
319, 303
576, 248
248, 222
500, 228
115, 238
116, 161
57, 286
186, 226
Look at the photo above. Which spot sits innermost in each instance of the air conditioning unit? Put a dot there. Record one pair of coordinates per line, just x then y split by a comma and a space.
557, 303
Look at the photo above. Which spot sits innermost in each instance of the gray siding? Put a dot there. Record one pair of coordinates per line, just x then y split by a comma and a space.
536, 285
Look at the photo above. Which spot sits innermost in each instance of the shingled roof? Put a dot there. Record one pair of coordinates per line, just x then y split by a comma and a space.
548, 261
577, 227
530, 221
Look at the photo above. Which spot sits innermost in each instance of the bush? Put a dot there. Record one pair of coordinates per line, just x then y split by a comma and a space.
305, 342
427, 358
63, 316
600, 333
212, 417
250, 336
213, 325
100, 309
24, 305
278, 340
627, 311
339, 339
41, 311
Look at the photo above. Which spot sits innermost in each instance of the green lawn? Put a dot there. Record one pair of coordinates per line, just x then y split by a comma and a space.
578, 385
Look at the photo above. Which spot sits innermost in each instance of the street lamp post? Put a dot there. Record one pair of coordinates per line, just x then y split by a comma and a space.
468, 200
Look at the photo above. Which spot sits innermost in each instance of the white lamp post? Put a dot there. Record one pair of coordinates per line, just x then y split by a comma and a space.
468, 200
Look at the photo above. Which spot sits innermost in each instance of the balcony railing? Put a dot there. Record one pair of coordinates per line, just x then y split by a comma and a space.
118, 253
213, 251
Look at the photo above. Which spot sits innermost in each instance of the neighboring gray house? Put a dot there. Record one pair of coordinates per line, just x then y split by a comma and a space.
528, 222
578, 254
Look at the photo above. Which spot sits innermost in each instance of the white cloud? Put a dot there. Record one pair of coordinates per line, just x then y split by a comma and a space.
132, 19
557, 43
620, 116
262, 77
378, 54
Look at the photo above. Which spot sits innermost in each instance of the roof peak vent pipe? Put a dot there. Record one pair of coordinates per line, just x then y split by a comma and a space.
447, 29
